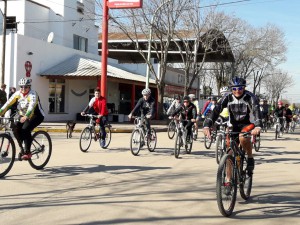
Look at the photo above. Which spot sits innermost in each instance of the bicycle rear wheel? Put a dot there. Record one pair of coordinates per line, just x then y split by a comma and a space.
207, 142
7, 154
178, 144
220, 148
276, 131
135, 143
151, 143
85, 139
108, 136
171, 129
246, 181
226, 195
41, 150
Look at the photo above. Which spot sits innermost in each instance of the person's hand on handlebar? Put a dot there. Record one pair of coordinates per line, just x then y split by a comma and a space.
129, 116
148, 116
82, 113
193, 120
256, 131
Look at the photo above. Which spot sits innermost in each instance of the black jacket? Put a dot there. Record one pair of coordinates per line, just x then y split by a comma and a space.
187, 113
146, 107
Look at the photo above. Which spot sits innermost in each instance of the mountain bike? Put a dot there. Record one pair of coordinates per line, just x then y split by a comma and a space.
208, 141
220, 139
139, 138
277, 126
40, 150
90, 132
182, 139
233, 173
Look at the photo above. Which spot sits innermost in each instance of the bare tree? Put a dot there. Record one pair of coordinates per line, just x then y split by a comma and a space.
276, 84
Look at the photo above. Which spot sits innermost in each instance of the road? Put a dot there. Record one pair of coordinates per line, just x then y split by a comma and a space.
114, 187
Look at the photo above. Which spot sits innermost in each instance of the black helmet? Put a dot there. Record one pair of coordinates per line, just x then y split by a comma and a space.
237, 82
186, 98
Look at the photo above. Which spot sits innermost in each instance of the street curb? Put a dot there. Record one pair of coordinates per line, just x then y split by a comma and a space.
113, 130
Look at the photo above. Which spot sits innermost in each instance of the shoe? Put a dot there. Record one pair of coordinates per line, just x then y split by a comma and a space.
102, 143
195, 137
26, 156
250, 164
20, 156
227, 188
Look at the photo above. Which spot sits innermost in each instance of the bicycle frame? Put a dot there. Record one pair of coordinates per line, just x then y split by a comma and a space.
140, 125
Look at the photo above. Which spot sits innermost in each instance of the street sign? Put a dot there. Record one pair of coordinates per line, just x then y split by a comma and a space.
121, 4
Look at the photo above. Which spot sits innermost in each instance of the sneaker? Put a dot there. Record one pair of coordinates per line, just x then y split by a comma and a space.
26, 156
227, 188
250, 164
102, 143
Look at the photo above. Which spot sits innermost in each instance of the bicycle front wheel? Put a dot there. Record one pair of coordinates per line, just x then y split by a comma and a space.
220, 148
189, 145
135, 143
41, 150
257, 144
178, 144
226, 193
207, 142
246, 181
171, 129
85, 139
7, 154
151, 143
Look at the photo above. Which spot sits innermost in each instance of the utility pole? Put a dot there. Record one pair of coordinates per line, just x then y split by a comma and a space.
3, 42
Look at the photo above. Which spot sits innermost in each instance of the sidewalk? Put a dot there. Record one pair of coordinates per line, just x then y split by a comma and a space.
125, 127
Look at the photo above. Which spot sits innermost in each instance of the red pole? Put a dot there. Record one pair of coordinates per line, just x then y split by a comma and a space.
104, 53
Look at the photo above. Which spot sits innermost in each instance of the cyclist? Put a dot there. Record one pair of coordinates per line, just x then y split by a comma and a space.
188, 113
288, 116
225, 113
279, 112
175, 104
210, 107
30, 115
239, 103
205, 106
264, 109
196, 103
97, 106
146, 106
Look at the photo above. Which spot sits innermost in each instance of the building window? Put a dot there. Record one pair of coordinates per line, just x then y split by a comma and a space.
80, 43
56, 96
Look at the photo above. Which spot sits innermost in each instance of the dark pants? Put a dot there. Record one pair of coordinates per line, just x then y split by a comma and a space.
22, 131
102, 123
148, 126
188, 124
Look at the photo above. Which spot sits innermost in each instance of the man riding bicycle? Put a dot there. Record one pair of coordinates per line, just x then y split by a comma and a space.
30, 115
97, 106
239, 103
146, 106
188, 113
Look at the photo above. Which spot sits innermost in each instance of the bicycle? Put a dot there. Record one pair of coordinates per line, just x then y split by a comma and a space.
208, 142
40, 150
90, 132
220, 140
139, 138
234, 165
277, 126
182, 139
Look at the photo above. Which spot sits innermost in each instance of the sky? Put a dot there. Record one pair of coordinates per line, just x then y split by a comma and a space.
283, 13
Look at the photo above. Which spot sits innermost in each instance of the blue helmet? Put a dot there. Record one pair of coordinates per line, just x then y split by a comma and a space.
238, 82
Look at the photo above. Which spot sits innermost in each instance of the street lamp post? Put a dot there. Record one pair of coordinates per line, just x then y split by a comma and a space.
150, 41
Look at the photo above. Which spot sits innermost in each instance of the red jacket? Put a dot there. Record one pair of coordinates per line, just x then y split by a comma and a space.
99, 105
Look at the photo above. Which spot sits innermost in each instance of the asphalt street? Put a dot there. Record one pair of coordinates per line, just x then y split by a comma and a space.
112, 186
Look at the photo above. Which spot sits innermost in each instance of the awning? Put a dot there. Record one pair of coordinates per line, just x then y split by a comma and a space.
81, 67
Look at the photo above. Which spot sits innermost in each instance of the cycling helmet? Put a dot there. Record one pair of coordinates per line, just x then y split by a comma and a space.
24, 82
224, 90
186, 98
280, 102
192, 96
238, 82
146, 91
214, 99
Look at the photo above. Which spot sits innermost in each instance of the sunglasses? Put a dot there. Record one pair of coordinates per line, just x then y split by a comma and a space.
237, 88
185, 101
24, 86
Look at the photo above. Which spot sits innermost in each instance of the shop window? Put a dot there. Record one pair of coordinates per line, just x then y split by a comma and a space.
56, 96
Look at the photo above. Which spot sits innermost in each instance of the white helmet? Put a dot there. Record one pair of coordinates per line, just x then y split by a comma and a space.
146, 91
25, 82
192, 96
224, 90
